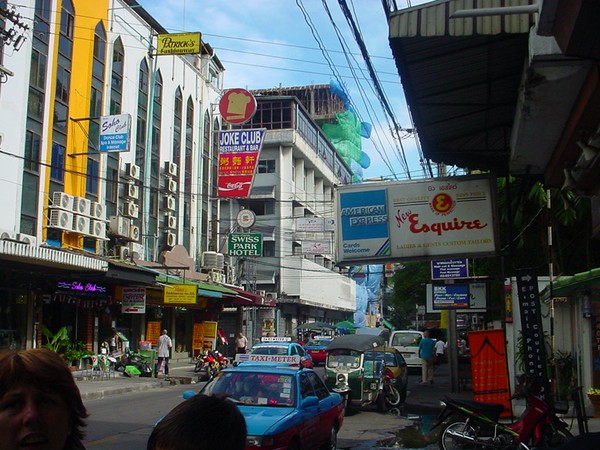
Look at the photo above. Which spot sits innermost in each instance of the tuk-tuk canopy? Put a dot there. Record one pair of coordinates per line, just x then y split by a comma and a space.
357, 342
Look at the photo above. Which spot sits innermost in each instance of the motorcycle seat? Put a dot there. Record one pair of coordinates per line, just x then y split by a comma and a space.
490, 410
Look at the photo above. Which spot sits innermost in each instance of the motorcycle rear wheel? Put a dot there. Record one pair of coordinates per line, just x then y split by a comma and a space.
553, 437
392, 396
447, 442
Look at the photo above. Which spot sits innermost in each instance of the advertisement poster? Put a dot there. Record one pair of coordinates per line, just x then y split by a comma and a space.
489, 368
134, 300
197, 337
209, 340
441, 217
153, 331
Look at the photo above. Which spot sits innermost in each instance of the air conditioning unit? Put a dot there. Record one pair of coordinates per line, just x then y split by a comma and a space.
271, 294
27, 239
209, 260
81, 224
98, 229
170, 202
134, 233
8, 235
262, 293
61, 219
62, 201
98, 211
171, 239
171, 185
132, 191
82, 206
170, 169
216, 276
138, 250
124, 252
170, 221
119, 226
132, 171
131, 209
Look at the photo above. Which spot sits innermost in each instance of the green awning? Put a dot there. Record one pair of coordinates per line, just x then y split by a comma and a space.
568, 284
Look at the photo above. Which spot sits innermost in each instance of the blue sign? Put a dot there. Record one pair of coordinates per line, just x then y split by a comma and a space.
364, 224
451, 296
449, 269
114, 133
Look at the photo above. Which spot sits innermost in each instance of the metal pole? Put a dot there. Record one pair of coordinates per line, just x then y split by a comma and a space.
453, 350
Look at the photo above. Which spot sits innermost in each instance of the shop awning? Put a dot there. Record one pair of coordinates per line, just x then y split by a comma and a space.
568, 284
245, 298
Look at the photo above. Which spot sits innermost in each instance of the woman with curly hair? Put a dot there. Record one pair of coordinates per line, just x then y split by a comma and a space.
40, 404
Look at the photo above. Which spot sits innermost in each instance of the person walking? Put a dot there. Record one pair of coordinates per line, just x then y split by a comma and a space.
440, 351
241, 343
426, 353
164, 352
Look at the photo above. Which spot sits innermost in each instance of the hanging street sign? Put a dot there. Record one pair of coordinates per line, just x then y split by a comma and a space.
245, 244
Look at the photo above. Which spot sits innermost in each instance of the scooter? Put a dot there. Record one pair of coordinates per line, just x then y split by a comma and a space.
472, 424
207, 365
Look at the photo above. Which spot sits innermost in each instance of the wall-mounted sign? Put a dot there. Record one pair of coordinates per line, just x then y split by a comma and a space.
310, 224
395, 221
244, 244
237, 106
114, 133
477, 298
449, 269
246, 218
133, 300
82, 287
316, 248
179, 43
181, 294
451, 296
238, 155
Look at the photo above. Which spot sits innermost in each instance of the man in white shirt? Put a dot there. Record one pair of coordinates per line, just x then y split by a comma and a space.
440, 350
164, 352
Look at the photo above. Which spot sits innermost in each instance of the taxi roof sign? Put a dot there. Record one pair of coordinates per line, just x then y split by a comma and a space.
276, 339
270, 359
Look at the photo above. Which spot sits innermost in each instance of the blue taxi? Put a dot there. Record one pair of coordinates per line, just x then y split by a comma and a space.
285, 405
282, 346
316, 346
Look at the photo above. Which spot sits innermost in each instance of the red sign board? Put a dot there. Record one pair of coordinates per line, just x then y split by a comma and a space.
237, 106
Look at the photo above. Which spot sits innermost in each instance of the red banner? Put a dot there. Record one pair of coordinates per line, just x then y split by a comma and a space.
238, 156
489, 368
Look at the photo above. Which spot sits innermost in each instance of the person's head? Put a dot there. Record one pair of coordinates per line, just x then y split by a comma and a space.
202, 422
164, 331
426, 333
40, 404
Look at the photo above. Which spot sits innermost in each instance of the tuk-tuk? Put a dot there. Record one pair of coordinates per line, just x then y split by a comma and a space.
365, 371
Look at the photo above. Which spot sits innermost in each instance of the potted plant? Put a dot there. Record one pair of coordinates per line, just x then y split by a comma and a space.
594, 396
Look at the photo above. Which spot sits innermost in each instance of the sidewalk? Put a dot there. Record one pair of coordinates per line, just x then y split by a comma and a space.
425, 400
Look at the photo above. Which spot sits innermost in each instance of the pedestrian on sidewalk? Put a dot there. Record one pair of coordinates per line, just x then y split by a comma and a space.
164, 352
426, 353
241, 343
202, 422
440, 351
40, 403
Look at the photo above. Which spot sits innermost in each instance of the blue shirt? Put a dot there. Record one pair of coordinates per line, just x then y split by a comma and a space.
426, 347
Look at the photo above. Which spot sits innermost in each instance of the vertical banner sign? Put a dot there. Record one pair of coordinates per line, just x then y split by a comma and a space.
534, 347
489, 368
508, 302
209, 340
152, 331
238, 156
197, 337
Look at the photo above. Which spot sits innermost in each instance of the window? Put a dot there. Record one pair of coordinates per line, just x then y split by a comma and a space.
116, 87
58, 163
268, 248
318, 385
266, 166
37, 76
63, 81
32, 151
91, 185
177, 122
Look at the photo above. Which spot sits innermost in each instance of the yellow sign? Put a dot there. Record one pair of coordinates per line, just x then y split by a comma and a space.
197, 336
181, 294
179, 43
152, 331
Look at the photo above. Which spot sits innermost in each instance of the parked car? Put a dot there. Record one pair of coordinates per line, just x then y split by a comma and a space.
285, 406
282, 346
407, 343
315, 347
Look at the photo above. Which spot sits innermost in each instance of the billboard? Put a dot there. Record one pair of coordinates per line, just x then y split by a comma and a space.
424, 219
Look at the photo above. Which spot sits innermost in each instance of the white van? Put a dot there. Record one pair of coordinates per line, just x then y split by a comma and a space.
407, 343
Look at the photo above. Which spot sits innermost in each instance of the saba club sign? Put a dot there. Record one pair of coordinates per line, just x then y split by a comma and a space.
245, 244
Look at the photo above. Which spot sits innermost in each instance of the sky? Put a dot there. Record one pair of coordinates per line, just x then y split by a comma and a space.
270, 43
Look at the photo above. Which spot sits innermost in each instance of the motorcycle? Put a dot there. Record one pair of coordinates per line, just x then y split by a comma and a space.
472, 424
130, 358
207, 365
